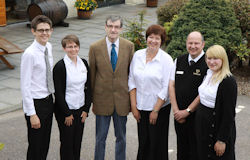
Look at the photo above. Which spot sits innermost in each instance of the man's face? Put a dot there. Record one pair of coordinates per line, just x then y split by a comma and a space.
113, 30
42, 33
194, 44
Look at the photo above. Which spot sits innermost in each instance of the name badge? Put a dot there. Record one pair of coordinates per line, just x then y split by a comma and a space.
197, 72
179, 72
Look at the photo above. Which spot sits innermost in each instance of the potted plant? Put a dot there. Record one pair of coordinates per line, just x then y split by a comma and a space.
85, 8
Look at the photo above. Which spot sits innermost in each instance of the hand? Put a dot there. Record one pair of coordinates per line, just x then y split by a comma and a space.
183, 120
180, 114
84, 116
219, 148
69, 120
136, 114
35, 122
153, 117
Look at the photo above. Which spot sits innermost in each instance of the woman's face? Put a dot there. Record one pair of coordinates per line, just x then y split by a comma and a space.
154, 41
72, 50
214, 64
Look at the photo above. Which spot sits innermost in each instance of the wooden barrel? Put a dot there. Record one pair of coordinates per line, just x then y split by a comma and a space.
56, 10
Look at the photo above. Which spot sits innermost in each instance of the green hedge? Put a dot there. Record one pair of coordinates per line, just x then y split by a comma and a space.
166, 12
215, 19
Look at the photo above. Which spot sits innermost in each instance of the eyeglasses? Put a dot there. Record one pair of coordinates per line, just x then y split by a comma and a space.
72, 47
43, 30
111, 27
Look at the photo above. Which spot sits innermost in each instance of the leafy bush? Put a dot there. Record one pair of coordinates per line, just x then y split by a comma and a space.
134, 31
241, 51
168, 27
215, 19
166, 12
241, 9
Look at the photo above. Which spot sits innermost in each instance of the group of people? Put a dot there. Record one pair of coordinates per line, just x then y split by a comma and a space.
198, 86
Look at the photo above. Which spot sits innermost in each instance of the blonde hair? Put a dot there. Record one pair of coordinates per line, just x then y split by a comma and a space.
217, 51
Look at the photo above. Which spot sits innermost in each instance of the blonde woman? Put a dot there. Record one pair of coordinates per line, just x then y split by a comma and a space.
215, 117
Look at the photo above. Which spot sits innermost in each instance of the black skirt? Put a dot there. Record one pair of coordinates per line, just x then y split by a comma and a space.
206, 136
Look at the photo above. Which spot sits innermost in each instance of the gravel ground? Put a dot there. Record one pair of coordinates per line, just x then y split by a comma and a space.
242, 76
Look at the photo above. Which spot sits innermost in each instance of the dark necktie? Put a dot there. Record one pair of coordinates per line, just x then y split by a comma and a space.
113, 57
49, 79
191, 62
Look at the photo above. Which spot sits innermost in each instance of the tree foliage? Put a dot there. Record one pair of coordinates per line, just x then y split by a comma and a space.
166, 12
215, 19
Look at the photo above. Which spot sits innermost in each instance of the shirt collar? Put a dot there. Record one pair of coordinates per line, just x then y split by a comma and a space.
68, 61
41, 47
157, 56
110, 43
197, 58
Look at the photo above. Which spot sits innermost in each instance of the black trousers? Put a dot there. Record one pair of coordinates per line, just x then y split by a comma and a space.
70, 136
39, 139
186, 139
153, 139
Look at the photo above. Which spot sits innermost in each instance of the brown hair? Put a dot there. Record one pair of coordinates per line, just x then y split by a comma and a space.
40, 19
70, 38
158, 30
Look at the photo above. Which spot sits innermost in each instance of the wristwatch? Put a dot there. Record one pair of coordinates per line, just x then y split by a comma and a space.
188, 110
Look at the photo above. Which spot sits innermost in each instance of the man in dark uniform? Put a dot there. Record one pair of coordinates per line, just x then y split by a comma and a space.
187, 75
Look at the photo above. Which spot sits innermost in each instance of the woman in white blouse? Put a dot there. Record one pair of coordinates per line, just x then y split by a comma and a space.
215, 116
72, 98
148, 85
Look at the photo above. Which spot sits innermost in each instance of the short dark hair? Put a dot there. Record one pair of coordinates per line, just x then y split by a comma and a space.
158, 30
40, 19
70, 38
114, 18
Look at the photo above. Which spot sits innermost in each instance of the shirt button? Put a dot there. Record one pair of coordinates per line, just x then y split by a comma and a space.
214, 113
210, 135
209, 145
213, 125
208, 155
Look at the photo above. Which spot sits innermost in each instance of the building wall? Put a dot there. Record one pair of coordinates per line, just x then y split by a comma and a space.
72, 12
71, 9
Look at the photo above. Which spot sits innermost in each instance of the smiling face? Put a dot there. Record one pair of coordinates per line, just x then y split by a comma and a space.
72, 50
214, 63
194, 44
154, 42
42, 33
113, 30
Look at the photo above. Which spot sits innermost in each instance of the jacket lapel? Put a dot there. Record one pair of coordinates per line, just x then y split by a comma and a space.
105, 54
120, 54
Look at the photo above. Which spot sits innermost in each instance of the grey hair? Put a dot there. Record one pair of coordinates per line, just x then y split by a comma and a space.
114, 18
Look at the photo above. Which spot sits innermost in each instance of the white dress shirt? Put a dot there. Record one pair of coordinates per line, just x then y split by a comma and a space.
109, 46
208, 90
150, 79
173, 70
33, 75
76, 77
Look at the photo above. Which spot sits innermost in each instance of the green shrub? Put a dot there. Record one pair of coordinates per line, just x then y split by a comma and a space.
241, 9
134, 31
168, 27
241, 51
166, 12
215, 19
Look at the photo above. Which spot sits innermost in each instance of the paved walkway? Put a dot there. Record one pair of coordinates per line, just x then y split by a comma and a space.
88, 32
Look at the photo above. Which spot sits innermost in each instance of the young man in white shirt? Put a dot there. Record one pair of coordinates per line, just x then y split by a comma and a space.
37, 88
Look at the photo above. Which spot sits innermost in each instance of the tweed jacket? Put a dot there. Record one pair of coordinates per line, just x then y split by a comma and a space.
110, 89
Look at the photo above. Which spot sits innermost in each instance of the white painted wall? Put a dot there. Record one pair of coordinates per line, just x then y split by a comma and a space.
134, 1
72, 12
